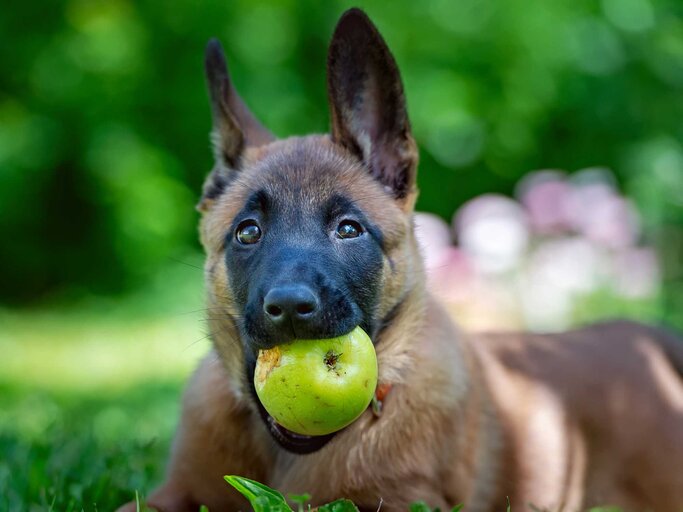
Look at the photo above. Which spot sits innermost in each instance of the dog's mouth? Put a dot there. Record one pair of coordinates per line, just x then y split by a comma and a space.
290, 441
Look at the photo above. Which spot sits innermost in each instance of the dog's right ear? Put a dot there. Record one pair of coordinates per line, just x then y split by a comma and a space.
367, 104
234, 126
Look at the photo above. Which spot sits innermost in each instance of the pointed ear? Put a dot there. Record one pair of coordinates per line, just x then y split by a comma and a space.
367, 103
234, 126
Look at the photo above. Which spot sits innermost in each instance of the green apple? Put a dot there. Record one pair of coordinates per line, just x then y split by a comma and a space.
316, 387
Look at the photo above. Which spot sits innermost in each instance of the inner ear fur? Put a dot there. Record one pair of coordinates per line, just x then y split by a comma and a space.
367, 103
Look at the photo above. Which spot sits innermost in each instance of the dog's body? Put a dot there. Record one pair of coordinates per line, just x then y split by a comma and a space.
312, 236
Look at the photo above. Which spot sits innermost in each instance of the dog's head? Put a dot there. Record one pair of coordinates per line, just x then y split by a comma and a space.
307, 237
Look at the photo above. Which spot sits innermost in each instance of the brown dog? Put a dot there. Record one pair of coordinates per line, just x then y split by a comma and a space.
311, 236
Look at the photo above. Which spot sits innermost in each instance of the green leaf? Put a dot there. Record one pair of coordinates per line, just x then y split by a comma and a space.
420, 506
300, 500
203, 508
339, 506
261, 497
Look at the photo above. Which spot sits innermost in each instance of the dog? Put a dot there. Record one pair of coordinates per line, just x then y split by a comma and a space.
321, 228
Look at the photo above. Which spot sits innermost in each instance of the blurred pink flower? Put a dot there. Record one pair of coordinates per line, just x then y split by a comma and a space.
545, 195
492, 230
574, 264
600, 213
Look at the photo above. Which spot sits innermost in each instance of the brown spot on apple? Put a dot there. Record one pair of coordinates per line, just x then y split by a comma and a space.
268, 360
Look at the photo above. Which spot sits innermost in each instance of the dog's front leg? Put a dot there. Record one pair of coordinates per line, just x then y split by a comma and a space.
218, 435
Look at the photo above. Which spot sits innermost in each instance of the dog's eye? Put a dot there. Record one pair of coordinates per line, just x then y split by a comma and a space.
349, 229
248, 232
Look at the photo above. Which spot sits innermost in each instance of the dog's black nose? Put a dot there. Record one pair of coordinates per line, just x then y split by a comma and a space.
295, 303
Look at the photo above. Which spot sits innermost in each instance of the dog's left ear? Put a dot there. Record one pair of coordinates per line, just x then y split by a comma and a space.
234, 127
367, 104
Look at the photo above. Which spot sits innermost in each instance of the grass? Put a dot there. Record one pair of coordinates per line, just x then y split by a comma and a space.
90, 395
82, 451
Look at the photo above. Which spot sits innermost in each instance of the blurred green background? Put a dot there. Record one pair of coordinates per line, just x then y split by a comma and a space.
104, 127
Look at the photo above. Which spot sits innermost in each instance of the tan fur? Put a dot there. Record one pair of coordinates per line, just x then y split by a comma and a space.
561, 422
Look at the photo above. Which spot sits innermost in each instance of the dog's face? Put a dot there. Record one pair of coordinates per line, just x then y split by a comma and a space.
309, 237
303, 255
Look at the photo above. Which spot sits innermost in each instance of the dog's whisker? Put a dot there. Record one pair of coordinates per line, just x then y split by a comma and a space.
202, 310
185, 263
197, 341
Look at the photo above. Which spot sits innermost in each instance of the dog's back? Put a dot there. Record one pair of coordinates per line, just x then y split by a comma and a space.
593, 416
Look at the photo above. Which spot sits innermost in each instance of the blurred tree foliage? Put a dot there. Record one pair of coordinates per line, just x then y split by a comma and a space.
104, 117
